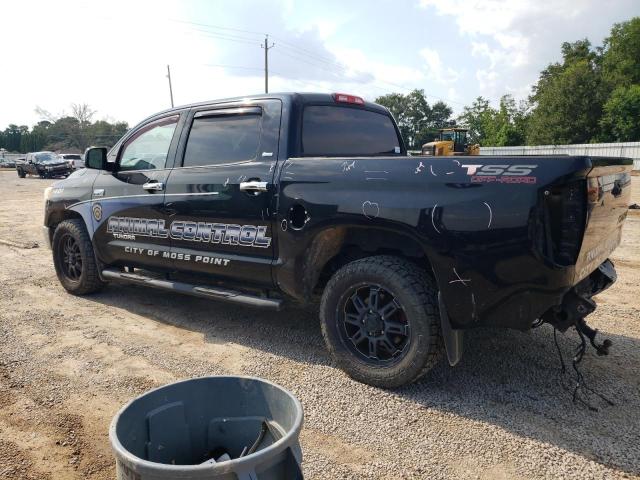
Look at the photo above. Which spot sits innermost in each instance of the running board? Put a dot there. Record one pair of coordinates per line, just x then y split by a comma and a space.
215, 293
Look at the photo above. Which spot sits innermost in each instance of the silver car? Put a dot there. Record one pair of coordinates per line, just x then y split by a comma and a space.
74, 160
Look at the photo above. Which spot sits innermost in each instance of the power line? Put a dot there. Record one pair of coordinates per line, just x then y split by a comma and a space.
230, 38
239, 67
309, 53
216, 27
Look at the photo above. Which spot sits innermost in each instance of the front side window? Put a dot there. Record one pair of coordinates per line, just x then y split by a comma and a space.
221, 139
341, 131
148, 147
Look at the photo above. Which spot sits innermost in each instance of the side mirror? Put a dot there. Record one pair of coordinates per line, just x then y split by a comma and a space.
96, 157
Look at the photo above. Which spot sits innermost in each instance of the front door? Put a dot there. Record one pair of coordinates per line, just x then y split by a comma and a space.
220, 195
131, 225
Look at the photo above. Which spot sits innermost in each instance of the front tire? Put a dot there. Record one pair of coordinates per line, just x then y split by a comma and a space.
380, 321
21, 173
73, 258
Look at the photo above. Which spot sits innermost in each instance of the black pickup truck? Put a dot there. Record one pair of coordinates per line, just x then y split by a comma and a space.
298, 197
43, 164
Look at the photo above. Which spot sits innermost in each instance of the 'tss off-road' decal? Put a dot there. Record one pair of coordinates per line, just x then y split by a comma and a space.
127, 228
501, 173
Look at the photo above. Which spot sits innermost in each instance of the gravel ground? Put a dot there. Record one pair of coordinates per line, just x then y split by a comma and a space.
67, 364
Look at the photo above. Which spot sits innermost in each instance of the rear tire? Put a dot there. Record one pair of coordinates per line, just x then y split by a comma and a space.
74, 259
362, 328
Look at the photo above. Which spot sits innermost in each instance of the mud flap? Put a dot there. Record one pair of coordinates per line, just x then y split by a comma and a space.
453, 338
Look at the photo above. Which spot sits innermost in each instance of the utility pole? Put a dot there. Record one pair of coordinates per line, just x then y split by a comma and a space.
266, 47
170, 89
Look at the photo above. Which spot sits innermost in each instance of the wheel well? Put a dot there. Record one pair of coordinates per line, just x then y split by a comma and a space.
56, 217
357, 243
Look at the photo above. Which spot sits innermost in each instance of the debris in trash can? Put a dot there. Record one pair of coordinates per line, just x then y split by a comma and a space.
222, 458
173, 431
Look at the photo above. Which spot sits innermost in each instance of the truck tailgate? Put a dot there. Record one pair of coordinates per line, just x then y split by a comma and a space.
608, 196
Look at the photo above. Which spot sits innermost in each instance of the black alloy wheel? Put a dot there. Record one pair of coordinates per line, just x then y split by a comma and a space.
71, 264
74, 259
374, 325
380, 320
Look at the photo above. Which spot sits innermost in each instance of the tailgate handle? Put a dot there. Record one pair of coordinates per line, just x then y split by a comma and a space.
153, 186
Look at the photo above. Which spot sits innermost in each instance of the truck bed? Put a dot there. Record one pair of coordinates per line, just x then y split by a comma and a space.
506, 237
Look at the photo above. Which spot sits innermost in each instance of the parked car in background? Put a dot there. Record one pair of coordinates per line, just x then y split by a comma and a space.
6, 163
44, 164
74, 160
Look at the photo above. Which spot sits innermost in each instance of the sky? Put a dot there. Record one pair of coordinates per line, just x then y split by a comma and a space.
113, 55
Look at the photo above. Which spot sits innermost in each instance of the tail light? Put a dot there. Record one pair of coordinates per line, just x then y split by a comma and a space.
564, 218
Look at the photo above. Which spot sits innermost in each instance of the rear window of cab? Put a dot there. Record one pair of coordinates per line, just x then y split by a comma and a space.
335, 131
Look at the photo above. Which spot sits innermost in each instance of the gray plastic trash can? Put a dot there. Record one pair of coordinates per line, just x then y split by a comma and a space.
222, 428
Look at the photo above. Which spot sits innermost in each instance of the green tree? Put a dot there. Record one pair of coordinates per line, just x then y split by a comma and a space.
499, 127
104, 133
62, 133
478, 118
417, 120
621, 119
568, 98
13, 137
621, 55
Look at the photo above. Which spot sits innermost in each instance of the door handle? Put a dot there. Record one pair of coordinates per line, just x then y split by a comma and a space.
153, 186
253, 186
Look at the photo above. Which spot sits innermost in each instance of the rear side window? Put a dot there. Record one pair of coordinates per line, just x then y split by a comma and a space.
222, 139
337, 131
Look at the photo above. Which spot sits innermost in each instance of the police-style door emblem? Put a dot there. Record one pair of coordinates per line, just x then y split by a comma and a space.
97, 211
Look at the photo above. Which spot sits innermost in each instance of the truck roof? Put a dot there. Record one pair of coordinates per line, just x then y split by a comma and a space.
286, 97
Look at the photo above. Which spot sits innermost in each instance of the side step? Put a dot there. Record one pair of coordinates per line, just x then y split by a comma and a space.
215, 293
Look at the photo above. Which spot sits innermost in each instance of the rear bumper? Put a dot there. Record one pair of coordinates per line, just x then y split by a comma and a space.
577, 303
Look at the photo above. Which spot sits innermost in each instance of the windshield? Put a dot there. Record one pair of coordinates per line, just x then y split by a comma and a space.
45, 157
447, 136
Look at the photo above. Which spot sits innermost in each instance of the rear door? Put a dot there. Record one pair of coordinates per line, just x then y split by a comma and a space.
131, 225
220, 196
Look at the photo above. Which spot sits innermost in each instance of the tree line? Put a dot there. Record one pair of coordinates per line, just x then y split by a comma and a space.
591, 95
73, 132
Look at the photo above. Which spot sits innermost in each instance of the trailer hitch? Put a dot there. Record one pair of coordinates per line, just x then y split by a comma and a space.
575, 306
590, 333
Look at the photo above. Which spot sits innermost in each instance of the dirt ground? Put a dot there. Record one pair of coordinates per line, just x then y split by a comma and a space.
67, 364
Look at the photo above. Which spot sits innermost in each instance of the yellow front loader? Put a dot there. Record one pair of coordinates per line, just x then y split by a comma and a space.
450, 141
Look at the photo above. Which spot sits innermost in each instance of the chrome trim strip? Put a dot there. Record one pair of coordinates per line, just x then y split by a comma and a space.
101, 199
